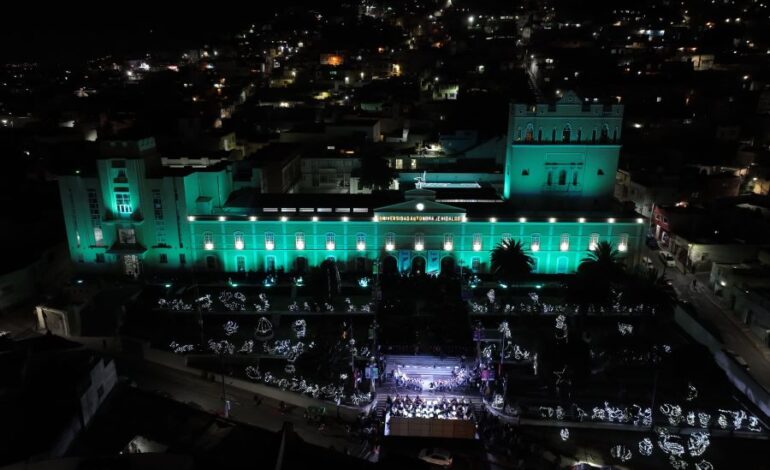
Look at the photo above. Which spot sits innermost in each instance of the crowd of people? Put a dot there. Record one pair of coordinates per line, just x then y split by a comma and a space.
439, 408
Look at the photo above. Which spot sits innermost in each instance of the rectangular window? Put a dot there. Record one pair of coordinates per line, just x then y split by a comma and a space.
390, 238
163, 258
564, 242
93, 207
448, 241
330, 242
475, 264
399, 164
98, 236
299, 240
157, 204
100, 257
182, 258
419, 241
269, 240
240, 264
127, 236
123, 203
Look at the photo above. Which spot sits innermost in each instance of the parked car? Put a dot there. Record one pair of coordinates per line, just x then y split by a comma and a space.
440, 457
667, 259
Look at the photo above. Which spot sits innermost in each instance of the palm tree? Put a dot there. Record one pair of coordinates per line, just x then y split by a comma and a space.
603, 261
510, 262
597, 272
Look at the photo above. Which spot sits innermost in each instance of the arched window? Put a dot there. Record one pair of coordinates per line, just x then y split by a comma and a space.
574, 178
238, 240
615, 135
419, 241
390, 241
566, 133
330, 241
553, 135
605, 134
562, 177
549, 180
540, 135
593, 136
530, 135
360, 241
269, 240
580, 135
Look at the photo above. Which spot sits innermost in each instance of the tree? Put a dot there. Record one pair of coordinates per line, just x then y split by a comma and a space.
651, 290
510, 262
375, 173
592, 287
604, 261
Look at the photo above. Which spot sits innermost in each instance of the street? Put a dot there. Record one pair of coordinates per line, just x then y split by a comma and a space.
735, 336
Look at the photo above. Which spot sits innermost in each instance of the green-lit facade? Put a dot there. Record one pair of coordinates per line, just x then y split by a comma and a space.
132, 217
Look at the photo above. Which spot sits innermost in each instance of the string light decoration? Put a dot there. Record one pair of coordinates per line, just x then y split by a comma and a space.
704, 465
300, 328
181, 348
561, 327
221, 347
559, 413
205, 302
668, 444
564, 434
232, 301
561, 378
691, 418
621, 452
625, 329
672, 412
678, 464
645, 447
697, 443
692, 392
497, 402
504, 329
290, 369
230, 328
248, 347
174, 304
264, 329
704, 419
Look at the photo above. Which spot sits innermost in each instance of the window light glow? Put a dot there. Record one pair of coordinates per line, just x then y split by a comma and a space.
361, 246
493, 220
238, 244
419, 247
389, 247
222, 218
420, 206
476, 246
208, 245
315, 218
284, 218
300, 244
552, 220
582, 220
191, 218
448, 246
253, 218
330, 245
611, 220
535, 247
269, 246
640, 220
345, 218
564, 246
522, 219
